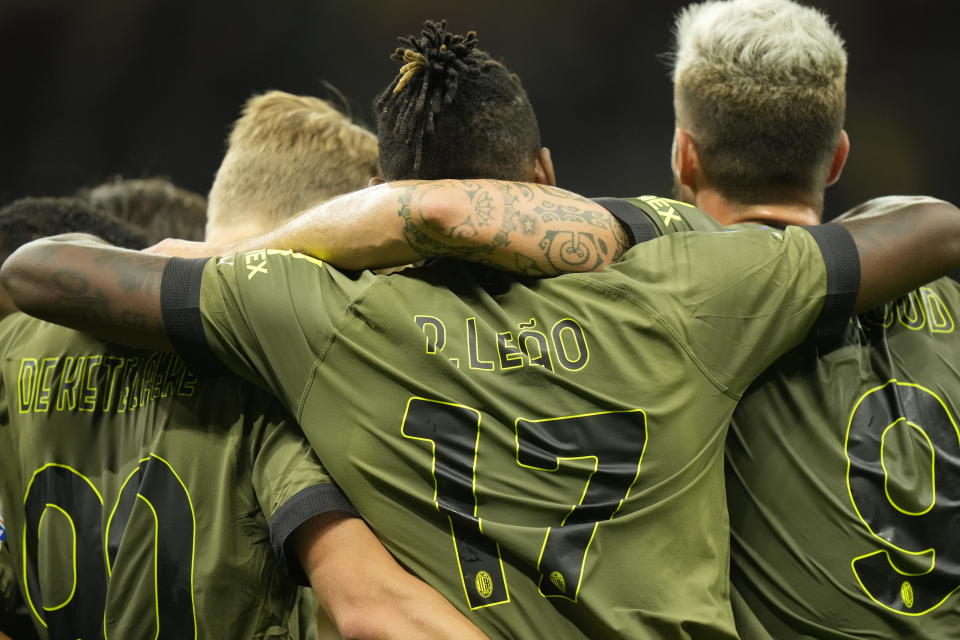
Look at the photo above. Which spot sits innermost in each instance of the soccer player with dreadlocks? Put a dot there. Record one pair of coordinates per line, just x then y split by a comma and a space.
546, 453
455, 112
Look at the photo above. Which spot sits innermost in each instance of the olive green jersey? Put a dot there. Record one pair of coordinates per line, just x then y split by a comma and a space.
141, 502
844, 480
844, 472
647, 217
546, 453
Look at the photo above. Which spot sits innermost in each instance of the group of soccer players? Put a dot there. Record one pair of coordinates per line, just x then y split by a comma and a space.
542, 457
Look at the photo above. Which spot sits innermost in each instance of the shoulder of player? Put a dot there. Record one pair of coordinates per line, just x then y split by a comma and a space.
673, 216
736, 237
947, 286
251, 265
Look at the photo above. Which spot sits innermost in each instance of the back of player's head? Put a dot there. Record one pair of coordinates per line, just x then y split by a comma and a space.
454, 112
27, 219
284, 154
760, 85
155, 205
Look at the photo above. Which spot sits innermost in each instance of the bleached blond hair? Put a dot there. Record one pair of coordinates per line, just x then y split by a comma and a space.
285, 154
760, 84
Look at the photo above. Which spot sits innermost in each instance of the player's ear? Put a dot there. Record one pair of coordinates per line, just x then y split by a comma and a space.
374, 181
839, 157
686, 159
543, 168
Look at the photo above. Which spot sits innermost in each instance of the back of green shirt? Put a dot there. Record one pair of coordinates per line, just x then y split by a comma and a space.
843, 474
546, 453
139, 501
844, 480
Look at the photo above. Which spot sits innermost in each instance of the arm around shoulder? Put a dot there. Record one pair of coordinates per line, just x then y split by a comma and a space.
526, 228
367, 593
80, 282
903, 243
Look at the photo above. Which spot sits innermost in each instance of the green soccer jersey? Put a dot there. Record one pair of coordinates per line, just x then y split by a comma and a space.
142, 502
844, 481
546, 453
649, 217
843, 469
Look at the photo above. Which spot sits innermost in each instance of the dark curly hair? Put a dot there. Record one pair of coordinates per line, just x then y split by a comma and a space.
453, 112
156, 206
27, 219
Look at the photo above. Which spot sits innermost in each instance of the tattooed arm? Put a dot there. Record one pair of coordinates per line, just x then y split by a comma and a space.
530, 229
81, 282
115, 294
525, 228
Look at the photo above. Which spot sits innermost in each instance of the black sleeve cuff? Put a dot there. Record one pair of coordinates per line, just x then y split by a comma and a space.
180, 308
842, 261
310, 502
634, 221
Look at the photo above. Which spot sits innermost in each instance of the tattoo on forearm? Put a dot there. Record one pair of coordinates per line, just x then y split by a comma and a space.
133, 272
507, 220
109, 293
483, 207
133, 319
71, 282
553, 192
534, 230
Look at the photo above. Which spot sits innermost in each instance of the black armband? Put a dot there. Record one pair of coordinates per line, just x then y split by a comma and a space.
634, 221
180, 309
842, 261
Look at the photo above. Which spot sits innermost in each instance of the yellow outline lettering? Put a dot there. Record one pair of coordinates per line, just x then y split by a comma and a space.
473, 349
27, 366
439, 340
560, 348
70, 379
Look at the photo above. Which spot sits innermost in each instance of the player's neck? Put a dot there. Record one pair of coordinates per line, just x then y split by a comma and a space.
780, 214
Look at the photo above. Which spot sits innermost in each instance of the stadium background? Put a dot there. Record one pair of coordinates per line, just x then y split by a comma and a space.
97, 88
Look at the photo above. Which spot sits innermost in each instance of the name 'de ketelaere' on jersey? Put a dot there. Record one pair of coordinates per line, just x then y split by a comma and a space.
103, 382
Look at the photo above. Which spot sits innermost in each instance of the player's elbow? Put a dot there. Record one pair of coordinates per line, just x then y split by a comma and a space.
440, 211
449, 217
18, 274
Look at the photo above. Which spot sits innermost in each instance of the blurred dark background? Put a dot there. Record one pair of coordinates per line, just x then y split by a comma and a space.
97, 88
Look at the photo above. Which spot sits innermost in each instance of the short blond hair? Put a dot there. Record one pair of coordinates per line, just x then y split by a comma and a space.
285, 154
760, 84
